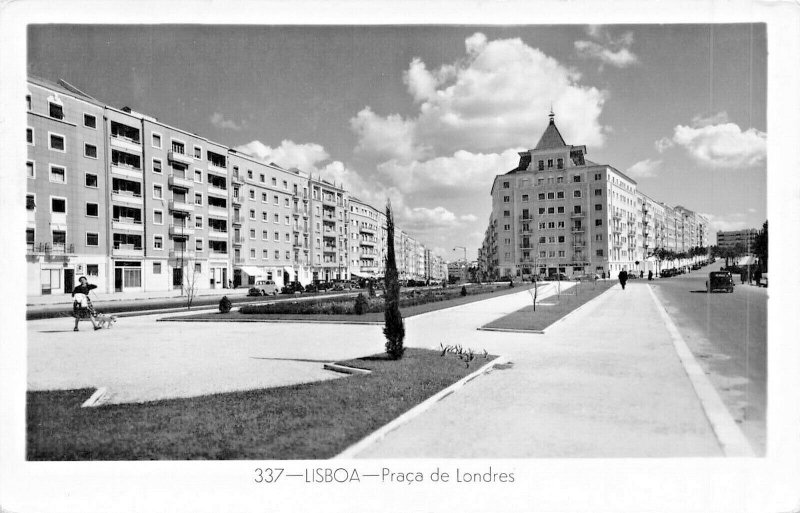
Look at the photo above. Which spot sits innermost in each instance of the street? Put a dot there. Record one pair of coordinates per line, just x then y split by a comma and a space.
728, 335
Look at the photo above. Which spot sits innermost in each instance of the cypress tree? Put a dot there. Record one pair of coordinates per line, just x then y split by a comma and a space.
393, 328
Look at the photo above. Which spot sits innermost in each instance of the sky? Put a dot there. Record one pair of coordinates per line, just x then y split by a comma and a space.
427, 116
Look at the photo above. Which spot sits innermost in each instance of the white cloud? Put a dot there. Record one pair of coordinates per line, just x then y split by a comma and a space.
422, 219
495, 97
288, 155
219, 121
722, 145
725, 223
463, 171
614, 52
644, 168
664, 144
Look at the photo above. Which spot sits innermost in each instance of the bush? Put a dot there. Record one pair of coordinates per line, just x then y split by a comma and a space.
224, 305
361, 304
463, 290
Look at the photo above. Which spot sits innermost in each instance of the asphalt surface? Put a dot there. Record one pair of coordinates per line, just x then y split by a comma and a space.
728, 335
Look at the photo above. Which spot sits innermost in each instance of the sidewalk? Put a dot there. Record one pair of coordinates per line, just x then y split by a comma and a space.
62, 299
605, 382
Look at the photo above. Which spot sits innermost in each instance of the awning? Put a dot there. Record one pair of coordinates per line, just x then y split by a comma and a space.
747, 260
288, 269
252, 271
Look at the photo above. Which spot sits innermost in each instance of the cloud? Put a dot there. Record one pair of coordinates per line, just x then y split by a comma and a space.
725, 223
289, 154
644, 168
494, 97
613, 52
463, 171
664, 144
422, 218
717, 143
219, 121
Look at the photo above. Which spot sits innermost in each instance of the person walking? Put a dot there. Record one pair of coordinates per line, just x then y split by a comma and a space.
641, 274
757, 276
650, 275
81, 305
623, 278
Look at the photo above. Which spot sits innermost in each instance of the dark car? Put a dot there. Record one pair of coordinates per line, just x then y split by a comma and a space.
720, 280
292, 288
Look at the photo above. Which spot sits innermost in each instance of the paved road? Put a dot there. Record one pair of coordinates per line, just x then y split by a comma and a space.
728, 335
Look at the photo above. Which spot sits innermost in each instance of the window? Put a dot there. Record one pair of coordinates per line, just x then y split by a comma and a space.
278, 255
598, 206
286, 220
198, 152
560, 163
198, 198
250, 174
598, 237
57, 142
156, 140
90, 151
157, 166
542, 226
576, 178
252, 194
598, 192
91, 180
542, 240
156, 267
158, 191
551, 225
551, 210
275, 200
56, 111
506, 213
198, 245
506, 227
560, 210
30, 169
93, 270
28, 101
560, 179
198, 176
276, 236
264, 217
541, 166
29, 136
599, 252
58, 205
252, 214
561, 253
277, 219
286, 238
264, 235
274, 182
551, 195
598, 176
561, 238
263, 197
89, 121
598, 222
524, 197
58, 174
285, 185
288, 256
541, 196
252, 234
198, 222
198, 268
560, 195
261, 178
92, 238
506, 185
543, 254
549, 163
577, 209
541, 211
576, 194
92, 209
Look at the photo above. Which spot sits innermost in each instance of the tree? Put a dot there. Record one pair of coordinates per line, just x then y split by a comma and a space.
393, 328
761, 247
191, 282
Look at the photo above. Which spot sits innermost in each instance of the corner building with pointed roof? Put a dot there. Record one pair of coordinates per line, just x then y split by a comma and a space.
558, 212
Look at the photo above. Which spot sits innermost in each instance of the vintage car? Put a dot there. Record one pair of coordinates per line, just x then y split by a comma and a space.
263, 288
720, 280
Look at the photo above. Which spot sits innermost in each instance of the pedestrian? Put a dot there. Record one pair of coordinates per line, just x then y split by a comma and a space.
623, 278
230, 284
744, 276
641, 273
757, 275
82, 307
604, 275
650, 275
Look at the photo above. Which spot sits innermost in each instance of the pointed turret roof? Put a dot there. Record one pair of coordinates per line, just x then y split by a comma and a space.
551, 138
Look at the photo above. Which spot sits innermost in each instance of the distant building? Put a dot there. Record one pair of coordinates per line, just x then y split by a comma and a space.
729, 239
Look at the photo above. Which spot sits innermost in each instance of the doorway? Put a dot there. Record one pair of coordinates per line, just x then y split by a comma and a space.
177, 278
117, 279
69, 280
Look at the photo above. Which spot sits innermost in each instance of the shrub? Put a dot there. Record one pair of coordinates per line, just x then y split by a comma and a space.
463, 290
224, 305
360, 305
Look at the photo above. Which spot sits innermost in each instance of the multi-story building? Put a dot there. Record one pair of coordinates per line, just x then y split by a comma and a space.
729, 239
558, 212
367, 240
329, 230
138, 205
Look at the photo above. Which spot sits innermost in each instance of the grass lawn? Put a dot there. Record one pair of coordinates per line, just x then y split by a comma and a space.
551, 309
374, 317
308, 421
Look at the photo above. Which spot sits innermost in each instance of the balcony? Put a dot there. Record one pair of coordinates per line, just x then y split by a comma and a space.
366, 229
329, 249
180, 158
180, 206
236, 219
215, 210
180, 231
522, 229
577, 215
238, 260
523, 218
218, 234
238, 240
179, 182
329, 201
577, 229
216, 168
127, 250
616, 216
578, 243
236, 200
125, 143
130, 225
529, 245
236, 178
296, 212
218, 254
368, 242
55, 252
186, 254
217, 191
126, 171
127, 197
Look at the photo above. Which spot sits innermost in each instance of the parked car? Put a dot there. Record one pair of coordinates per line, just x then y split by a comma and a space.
719, 280
292, 288
263, 288
587, 277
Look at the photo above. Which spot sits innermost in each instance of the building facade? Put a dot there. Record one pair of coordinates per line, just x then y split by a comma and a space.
137, 205
559, 213
729, 239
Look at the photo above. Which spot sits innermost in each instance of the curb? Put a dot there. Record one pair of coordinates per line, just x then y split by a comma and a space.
375, 436
729, 435
97, 398
344, 369
288, 321
546, 329
512, 330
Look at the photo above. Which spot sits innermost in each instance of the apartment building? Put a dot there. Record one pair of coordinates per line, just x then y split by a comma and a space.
138, 205
558, 212
367, 251
729, 239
